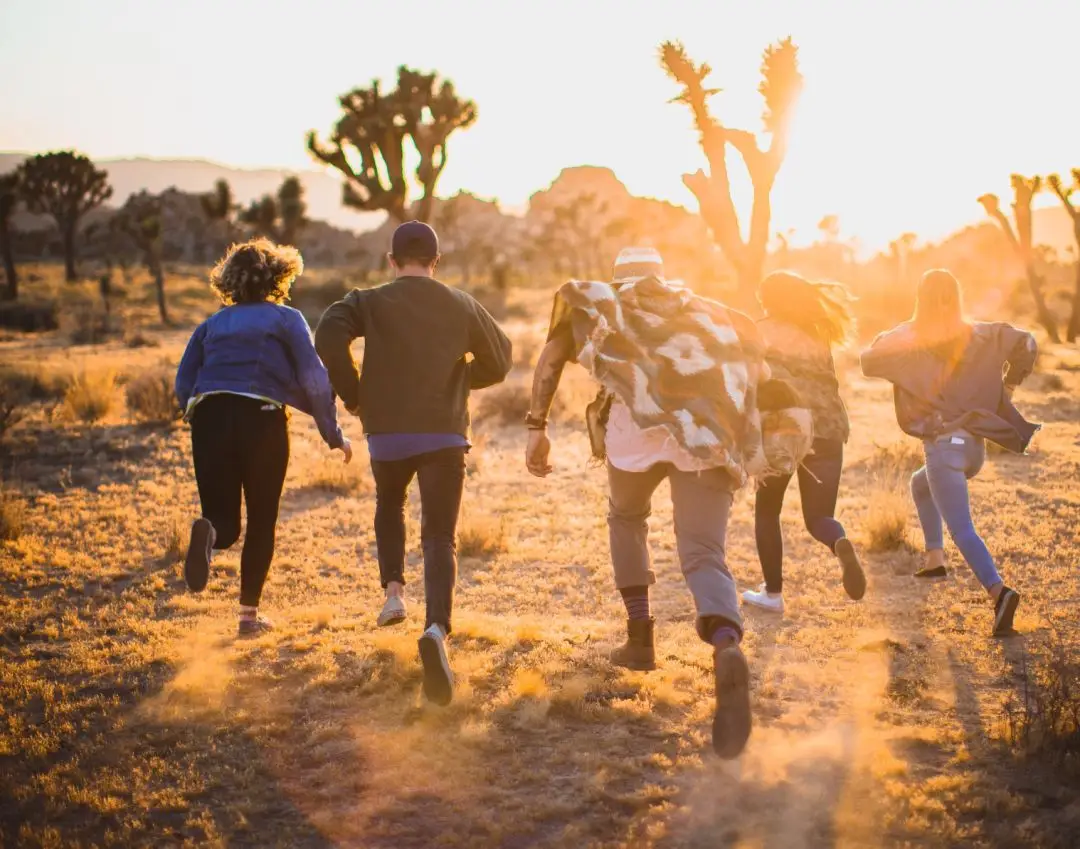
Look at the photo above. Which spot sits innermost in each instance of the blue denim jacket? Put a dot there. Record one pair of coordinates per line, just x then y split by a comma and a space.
261, 349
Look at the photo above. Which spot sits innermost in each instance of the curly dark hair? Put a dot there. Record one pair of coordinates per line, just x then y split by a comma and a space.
254, 271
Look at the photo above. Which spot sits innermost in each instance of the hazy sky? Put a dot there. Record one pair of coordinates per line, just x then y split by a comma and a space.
911, 109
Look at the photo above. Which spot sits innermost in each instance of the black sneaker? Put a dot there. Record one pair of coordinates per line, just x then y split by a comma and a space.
254, 627
854, 578
1004, 610
438, 678
200, 550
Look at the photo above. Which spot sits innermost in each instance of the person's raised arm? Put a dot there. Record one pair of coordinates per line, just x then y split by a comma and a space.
188, 371
491, 350
315, 382
339, 326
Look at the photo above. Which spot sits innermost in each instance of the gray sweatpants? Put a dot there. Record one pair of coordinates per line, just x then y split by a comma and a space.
702, 504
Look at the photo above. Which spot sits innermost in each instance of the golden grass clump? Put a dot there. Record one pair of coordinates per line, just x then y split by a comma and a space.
886, 521
150, 398
12, 514
90, 396
482, 536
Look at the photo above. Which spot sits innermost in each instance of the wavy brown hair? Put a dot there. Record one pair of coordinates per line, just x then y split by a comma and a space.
255, 271
821, 309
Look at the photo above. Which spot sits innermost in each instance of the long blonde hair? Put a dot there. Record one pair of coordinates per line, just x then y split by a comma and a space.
939, 319
821, 309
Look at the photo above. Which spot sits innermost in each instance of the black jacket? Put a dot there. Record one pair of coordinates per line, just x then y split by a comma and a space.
932, 400
425, 346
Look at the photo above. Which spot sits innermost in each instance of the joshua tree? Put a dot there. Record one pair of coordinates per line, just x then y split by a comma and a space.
9, 198
140, 219
279, 218
1024, 190
65, 185
422, 108
219, 205
780, 87
1065, 194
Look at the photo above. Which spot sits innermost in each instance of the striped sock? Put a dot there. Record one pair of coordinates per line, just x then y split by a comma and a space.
636, 600
248, 613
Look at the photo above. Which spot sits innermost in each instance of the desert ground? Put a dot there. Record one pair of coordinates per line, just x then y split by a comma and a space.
132, 716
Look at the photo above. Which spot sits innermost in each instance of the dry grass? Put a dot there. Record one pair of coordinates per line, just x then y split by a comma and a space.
90, 396
481, 535
132, 717
12, 513
150, 397
886, 524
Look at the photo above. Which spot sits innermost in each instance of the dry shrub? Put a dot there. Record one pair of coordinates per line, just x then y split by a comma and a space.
150, 398
90, 396
1043, 719
140, 340
481, 536
886, 516
331, 474
896, 459
12, 514
18, 390
175, 539
28, 317
84, 323
505, 404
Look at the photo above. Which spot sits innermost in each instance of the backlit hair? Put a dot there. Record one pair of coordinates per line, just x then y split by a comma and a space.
821, 309
255, 271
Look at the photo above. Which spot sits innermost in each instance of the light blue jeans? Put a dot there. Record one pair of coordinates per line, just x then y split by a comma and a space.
940, 491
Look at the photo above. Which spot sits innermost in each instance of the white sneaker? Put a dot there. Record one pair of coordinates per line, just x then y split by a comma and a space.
764, 599
438, 679
393, 611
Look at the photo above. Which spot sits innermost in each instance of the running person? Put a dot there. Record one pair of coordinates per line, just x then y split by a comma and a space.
426, 345
677, 403
241, 369
803, 321
953, 380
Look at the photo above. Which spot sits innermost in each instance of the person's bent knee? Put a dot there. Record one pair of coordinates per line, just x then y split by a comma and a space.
226, 535
710, 624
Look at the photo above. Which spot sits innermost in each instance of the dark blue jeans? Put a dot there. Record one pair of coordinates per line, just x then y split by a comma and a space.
819, 483
441, 475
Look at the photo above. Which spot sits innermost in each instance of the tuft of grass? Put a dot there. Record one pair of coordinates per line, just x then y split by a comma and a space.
175, 538
482, 536
330, 474
150, 398
896, 459
1042, 720
12, 514
505, 404
886, 522
90, 396
528, 684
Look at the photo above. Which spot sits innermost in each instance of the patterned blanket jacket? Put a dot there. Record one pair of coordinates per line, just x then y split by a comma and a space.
690, 365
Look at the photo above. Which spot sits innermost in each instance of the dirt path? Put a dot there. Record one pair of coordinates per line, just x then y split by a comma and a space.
134, 718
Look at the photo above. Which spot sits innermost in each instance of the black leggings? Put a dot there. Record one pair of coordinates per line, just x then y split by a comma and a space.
241, 445
819, 482
442, 478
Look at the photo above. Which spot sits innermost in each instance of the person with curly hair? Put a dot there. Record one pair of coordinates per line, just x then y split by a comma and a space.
242, 368
803, 322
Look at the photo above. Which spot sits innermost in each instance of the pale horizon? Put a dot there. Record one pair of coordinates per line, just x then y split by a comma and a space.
892, 137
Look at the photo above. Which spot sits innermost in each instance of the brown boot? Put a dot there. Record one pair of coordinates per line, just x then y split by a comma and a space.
639, 651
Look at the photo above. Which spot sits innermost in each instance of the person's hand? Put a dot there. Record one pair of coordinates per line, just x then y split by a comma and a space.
537, 454
346, 449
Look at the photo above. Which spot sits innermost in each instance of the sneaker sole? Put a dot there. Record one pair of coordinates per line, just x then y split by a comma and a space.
438, 679
636, 667
732, 722
854, 577
1003, 621
393, 620
197, 561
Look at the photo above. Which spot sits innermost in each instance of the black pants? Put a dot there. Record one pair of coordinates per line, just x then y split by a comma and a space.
442, 479
819, 482
239, 445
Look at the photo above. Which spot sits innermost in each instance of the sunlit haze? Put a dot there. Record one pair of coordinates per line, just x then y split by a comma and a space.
910, 110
